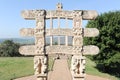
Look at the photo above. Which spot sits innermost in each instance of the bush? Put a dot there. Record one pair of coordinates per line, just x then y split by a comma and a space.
9, 49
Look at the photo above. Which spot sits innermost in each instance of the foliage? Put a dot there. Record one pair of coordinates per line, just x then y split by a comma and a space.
108, 41
9, 48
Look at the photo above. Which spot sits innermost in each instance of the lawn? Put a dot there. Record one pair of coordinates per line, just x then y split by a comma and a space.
13, 67
90, 69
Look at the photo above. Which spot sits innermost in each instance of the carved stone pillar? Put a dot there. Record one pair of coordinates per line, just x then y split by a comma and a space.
78, 61
40, 61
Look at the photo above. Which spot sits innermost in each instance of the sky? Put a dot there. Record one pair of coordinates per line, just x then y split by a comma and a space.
11, 20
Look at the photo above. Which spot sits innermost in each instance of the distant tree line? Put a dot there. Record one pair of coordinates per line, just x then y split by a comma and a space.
9, 49
108, 60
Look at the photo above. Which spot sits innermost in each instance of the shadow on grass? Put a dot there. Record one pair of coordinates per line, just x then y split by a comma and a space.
113, 72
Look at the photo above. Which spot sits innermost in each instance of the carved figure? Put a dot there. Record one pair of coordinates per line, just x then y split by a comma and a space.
40, 64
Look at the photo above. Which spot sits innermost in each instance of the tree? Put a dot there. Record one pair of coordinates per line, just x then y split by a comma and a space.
108, 41
9, 49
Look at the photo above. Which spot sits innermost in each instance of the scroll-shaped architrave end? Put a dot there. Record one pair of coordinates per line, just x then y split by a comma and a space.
89, 14
90, 32
27, 32
28, 14
32, 14
27, 50
90, 50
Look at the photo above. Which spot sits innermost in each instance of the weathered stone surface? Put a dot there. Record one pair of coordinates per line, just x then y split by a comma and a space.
27, 50
78, 66
59, 49
27, 32
31, 14
56, 49
40, 65
59, 32
90, 50
90, 32
89, 14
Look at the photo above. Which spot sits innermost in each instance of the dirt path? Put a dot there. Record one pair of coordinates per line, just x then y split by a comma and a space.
60, 71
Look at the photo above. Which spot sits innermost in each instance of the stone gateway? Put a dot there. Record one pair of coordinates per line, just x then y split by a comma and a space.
41, 51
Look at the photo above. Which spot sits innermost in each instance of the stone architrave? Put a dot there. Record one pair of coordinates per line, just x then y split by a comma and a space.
87, 32
87, 15
55, 49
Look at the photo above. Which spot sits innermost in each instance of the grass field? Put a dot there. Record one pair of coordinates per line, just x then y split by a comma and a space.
90, 69
13, 67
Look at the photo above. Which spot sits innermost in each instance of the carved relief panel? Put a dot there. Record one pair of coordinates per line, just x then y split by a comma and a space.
78, 41
78, 65
40, 65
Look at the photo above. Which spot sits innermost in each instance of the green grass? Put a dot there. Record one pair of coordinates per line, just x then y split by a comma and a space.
50, 64
90, 69
14, 67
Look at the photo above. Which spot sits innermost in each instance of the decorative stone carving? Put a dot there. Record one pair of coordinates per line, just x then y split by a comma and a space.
40, 65
77, 13
54, 49
39, 50
78, 41
39, 32
77, 31
40, 41
40, 22
59, 49
90, 32
77, 50
60, 32
77, 22
86, 32
89, 14
27, 32
59, 6
32, 14
62, 14
78, 66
